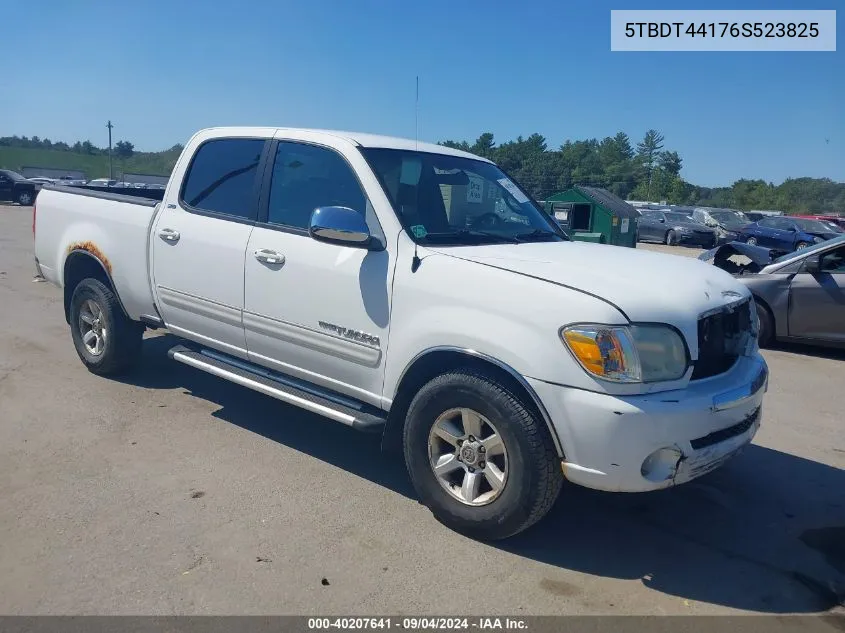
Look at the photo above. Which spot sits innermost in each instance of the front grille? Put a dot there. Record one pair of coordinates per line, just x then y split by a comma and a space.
725, 434
721, 339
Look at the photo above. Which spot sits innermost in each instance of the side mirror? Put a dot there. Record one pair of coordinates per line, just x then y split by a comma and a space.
339, 225
662, 220
812, 265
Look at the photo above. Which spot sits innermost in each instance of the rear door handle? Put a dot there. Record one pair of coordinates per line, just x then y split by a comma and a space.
169, 235
268, 256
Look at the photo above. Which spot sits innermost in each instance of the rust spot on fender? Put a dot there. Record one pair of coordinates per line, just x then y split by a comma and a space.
89, 247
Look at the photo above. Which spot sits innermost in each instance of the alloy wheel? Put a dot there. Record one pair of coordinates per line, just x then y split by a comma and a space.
468, 456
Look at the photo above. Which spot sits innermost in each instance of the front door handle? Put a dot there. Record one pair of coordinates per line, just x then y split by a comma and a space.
268, 256
169, 235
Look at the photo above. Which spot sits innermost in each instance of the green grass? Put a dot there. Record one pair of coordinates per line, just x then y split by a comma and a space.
160, 163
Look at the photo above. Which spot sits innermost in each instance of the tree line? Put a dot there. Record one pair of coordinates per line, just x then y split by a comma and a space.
645, 171
641, 171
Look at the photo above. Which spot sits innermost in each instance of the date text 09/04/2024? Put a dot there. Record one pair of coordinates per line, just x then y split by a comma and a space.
723, 29
418, 623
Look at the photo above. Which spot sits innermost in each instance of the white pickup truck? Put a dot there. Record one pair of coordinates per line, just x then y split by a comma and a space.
417, 291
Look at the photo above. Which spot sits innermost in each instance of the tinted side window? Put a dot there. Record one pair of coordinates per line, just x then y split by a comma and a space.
222, 176
768, 223
306, 177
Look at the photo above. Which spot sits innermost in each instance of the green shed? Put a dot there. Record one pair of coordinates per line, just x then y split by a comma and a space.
591, 214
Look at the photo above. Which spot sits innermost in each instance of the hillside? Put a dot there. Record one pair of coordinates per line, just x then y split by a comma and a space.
94, 166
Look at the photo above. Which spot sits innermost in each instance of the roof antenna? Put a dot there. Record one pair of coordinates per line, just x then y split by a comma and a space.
417, 116
416, 261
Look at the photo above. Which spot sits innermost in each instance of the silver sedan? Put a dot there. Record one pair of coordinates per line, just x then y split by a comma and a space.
800, 296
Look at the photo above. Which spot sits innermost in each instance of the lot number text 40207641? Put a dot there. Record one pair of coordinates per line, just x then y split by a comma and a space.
419, 623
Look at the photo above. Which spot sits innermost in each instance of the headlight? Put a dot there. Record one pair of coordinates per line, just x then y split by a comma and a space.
818, 240
636, 353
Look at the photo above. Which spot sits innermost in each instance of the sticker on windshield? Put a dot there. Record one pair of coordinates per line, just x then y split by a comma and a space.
475, 186
419, 230
513, 190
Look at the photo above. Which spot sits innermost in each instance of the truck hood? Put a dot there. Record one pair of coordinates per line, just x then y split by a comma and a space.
643, 285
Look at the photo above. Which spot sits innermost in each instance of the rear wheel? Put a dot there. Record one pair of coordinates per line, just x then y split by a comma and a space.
106, 340
765, 325
25, 198
478, 458
671, 238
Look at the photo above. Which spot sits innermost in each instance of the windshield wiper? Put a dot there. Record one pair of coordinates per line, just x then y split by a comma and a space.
532, 235
459, 233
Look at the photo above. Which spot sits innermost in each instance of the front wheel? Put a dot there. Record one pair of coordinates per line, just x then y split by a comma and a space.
671, 238
801, 245
478, 458
106, 340
752, 241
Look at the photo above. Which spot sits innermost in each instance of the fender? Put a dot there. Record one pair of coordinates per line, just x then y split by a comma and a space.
471, 353
90, 252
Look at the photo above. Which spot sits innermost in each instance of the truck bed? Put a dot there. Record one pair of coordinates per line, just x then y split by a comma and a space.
114, 228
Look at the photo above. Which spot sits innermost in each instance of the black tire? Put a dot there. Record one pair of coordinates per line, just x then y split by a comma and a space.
766, 334
534, 476
751, 241
801, 245
671, 238
122, 342
25, 198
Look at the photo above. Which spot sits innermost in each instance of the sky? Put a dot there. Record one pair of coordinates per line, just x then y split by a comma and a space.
162, 70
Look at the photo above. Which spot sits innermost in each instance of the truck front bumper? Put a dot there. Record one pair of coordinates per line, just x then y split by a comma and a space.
652, 441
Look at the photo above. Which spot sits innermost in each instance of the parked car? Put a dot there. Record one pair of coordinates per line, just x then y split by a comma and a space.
725, 223
786, 233
798, 295
16, 188
672, 228
41, 180
102, 182
420, 326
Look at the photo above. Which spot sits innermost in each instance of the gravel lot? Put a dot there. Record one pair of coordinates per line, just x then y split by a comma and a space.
172, 492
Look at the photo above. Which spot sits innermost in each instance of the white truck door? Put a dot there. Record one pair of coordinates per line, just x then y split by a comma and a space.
314, 310
199, 242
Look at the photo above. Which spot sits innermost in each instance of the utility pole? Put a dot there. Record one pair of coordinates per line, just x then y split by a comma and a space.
110, 126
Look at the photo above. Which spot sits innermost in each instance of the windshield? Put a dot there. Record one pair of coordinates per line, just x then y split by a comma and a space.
678, 217
809, 249
811, 226
729, 218
443, 199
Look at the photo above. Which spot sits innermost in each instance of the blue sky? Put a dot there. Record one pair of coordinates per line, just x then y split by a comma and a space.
162, 70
